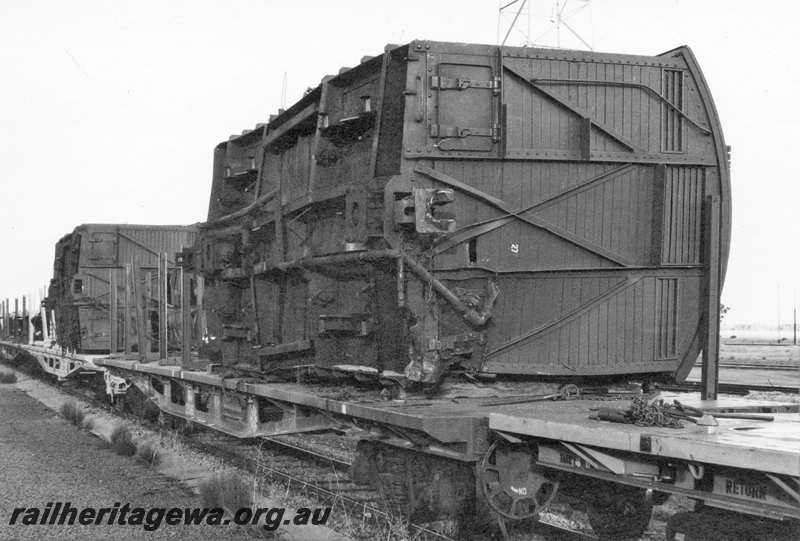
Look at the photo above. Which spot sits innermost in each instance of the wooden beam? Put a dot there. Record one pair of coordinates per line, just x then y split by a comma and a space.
312, 170
657, 213
113, 311
186, 318
200, 322
128, 329
296, 119
25, 321
254, 301
53, 325
710, 317
148, 312
163, 312
45, 330
136, 290
585, 138
28, 322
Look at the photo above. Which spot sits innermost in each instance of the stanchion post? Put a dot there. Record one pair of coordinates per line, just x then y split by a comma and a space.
113, 312
163, 312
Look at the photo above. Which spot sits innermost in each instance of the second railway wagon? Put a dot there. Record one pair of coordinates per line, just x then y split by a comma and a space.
79, 292
498, 210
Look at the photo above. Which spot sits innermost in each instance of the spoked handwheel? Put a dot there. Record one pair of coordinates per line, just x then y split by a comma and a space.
514, 486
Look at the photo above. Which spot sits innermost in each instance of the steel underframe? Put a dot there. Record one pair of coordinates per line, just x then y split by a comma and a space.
63, 365
776, 497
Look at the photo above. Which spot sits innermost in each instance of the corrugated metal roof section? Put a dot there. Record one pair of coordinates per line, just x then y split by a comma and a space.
106, 245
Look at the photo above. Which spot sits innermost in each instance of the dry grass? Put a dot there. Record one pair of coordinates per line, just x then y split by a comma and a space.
148, 453
229, 491
73, 413
121, 441
8, 377
357, 524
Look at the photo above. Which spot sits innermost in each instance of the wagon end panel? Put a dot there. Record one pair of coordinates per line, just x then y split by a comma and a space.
579, 184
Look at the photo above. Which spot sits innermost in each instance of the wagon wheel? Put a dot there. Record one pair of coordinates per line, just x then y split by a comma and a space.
514, 486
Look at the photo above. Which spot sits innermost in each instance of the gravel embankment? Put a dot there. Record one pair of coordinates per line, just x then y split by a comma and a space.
43, 459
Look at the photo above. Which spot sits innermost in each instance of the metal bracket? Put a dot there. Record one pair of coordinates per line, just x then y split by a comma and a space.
347, 324
458, 343
445, 131
448, 83
426, 203
236, 332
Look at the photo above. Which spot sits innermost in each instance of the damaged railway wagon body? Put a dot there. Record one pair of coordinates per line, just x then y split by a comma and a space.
85, 260
505, 210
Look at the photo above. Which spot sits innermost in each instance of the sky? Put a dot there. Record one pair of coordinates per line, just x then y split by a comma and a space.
109, 110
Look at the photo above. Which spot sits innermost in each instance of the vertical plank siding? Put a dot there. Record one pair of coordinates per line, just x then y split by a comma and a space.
633, 307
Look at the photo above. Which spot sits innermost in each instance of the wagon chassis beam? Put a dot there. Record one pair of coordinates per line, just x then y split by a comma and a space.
718, 500
286, 413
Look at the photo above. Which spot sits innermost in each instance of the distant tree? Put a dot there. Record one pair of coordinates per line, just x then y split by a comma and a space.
722, 311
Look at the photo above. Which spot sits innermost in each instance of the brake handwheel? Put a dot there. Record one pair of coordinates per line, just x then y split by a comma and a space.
514, 486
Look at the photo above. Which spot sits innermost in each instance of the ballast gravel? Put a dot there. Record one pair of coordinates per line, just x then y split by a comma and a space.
44, 459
